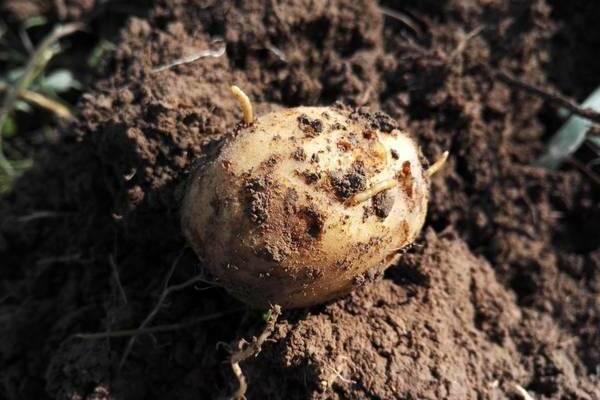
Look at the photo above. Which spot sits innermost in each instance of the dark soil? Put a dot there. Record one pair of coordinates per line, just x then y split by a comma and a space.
503, 287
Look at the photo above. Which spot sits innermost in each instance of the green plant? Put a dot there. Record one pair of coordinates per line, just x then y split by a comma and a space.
26, 83
571, 136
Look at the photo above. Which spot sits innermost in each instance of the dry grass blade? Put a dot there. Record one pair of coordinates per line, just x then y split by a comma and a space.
193, 57
35, 65
37, 215
40, 100
115, 272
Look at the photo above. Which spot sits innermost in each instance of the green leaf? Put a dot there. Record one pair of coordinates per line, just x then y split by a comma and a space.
6, 180
570, 136
14, 74
12, 56
9, 128
59, 81
22, 106
595, 140
34, 21
266, 316
103, 47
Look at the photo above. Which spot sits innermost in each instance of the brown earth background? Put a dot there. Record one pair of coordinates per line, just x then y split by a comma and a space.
501, 289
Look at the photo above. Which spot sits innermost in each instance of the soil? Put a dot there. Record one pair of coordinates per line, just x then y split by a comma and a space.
501, 289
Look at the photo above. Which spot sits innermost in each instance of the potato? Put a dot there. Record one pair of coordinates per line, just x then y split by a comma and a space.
303, 204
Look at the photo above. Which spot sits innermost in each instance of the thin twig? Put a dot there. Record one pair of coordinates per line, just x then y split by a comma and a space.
554, 98
251, 349
167, 290
117, 278
275, 50
42, 215
585, 169
26, 40
157, 328
35, 65
193, 57
399, 16
522, 392
337, 374
67, 258
462, 44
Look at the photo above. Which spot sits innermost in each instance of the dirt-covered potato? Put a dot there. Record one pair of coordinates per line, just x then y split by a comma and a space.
304, 204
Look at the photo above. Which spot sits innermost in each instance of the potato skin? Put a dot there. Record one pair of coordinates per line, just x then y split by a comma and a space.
270, 216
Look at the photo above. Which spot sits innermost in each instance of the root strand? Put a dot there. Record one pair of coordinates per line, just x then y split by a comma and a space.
249, 350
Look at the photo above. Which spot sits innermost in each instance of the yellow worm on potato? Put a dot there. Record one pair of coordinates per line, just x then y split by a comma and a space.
390, 183
245, 104
370, 192
436, 166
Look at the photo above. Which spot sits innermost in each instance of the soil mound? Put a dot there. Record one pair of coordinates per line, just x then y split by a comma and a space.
501, 290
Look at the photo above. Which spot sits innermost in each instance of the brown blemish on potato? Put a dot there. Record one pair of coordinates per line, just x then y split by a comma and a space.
394, 154
311, 177
302, 230
338, 127
299, 154
311, 127
377, 121
369, 276
382, 122
383, 202
257, 199
405, 178
312, 273
406, 168
271, 253
367, 212
315, 222
349, 183
405, 230
369, 134
344, 264
290, 201
271, 162
344, 145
